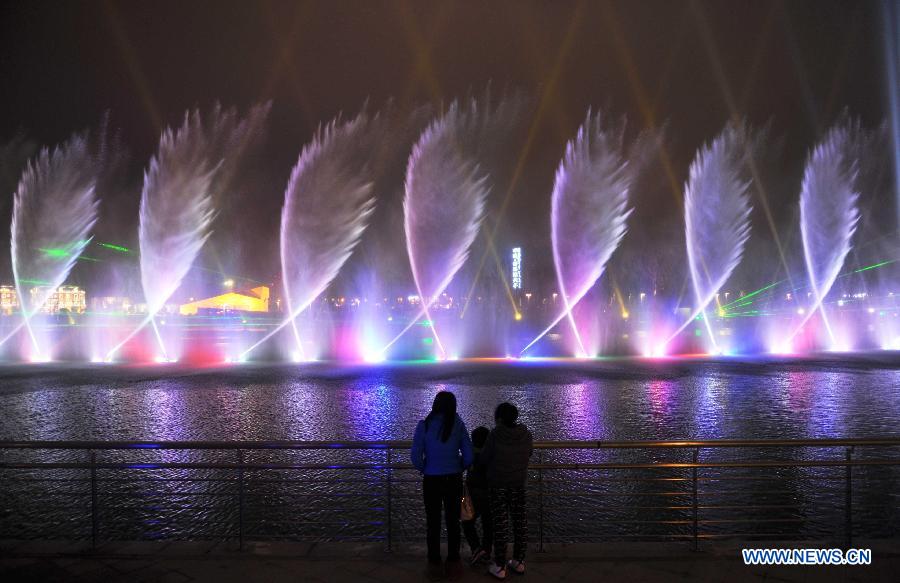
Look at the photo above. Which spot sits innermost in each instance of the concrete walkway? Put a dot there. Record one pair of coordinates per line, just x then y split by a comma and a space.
338, 562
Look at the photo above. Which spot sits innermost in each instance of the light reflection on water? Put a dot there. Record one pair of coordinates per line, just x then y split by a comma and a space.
600, 401
621, 402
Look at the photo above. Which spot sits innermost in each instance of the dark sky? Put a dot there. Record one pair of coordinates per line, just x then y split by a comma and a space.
64, 63
692, 65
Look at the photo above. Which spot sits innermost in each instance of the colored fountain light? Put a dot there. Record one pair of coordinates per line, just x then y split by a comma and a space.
716, 219
374, 357
828, 216
54, 209
442, 208
589, 210
327, 205
320, 304
192, 166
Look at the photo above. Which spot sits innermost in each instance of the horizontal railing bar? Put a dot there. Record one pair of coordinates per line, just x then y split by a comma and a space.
679, 508
749, 520
749, 464
765, 535
561, 494
405, 444
153, 508
232, 480
371, 467
316, 538
608, 480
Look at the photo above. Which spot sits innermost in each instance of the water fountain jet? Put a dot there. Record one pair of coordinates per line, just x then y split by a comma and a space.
54, 209
828, 216
588, 213
443, 208
327, 205
716, 219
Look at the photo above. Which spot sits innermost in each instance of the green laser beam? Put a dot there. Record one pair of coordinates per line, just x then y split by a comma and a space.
745, 297
112, 247
55, 252
868, 267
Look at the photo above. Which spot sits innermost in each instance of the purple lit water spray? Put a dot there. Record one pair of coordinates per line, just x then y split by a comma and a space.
192, 166
828, 218
443, 208
327, 205
716, 220
589, 211
54, 209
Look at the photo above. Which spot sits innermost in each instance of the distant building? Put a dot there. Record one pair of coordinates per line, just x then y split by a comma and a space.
69, 298
113, 304
9, 299
254, 300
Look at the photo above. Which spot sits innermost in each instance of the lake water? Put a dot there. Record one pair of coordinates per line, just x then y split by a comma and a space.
627, 399
608, 400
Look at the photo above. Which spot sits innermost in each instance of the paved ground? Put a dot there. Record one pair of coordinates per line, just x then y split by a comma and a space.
336, 562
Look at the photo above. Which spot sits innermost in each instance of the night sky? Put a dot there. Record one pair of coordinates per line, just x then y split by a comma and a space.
688, 65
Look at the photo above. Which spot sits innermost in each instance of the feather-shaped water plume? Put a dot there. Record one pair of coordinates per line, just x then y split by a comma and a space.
191, 168
176, 210
716, 218
54, 209
442, 207
327, 205
589, 212
828, 215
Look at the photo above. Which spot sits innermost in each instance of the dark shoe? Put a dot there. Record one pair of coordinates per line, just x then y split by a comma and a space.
498, 571
434, 572
516, 566
454, 570
479, 556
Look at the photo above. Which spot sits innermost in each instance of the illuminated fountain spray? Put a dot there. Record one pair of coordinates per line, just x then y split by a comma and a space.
716, 220
54, 209
191, 167
326, 209
589, 210
828, 218
442, 208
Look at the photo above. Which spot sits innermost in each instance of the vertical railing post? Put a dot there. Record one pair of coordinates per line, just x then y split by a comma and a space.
694, 505
94, 518
848, 498
240, 457
540, 501
390, 475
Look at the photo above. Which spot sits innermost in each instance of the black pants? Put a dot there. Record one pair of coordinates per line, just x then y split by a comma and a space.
443, 491
509, 503
481, 501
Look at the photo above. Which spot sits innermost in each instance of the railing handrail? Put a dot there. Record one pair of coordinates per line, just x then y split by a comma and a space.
406, 444
244, 471
401, 466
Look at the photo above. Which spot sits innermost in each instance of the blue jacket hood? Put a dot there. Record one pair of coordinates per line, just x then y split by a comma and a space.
434, 457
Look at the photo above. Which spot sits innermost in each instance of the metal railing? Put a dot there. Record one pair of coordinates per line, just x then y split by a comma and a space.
357, 490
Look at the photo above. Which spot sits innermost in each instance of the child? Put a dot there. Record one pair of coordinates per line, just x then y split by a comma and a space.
476, 482
506, 454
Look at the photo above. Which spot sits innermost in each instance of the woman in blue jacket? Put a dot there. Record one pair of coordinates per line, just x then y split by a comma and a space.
441, 450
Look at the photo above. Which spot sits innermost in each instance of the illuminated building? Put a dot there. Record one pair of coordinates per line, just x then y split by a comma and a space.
254, 300
516, 267
9, 299
69, 298
107, 304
